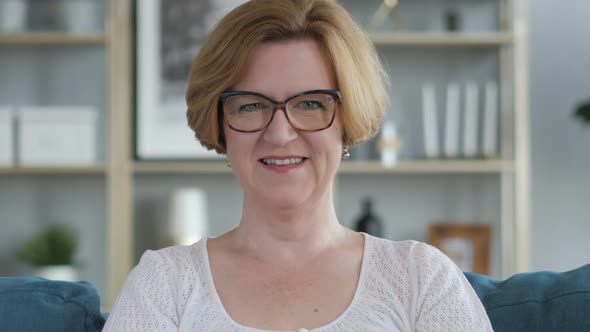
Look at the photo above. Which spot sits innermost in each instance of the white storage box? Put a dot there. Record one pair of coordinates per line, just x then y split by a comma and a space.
6, 137
57, 136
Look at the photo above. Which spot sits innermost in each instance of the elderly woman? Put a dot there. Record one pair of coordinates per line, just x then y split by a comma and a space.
282, 88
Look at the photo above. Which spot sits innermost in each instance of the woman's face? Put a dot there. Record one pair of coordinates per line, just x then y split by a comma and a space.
280, 70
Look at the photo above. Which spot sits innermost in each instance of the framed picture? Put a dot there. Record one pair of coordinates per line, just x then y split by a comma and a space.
467, 245
168, 36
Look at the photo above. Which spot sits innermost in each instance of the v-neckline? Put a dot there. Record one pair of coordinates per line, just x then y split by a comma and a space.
219, 305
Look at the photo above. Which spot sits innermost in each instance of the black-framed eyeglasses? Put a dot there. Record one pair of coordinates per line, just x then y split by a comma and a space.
248, 112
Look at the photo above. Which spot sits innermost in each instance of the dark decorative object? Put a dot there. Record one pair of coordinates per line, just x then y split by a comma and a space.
368, 222
43, 16
452, 21
583, 112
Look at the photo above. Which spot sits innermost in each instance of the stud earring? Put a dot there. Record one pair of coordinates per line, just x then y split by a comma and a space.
228, 164
345, 153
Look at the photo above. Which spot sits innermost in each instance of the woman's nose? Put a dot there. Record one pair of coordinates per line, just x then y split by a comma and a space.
279, 130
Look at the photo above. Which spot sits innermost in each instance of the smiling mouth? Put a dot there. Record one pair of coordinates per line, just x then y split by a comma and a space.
283, 162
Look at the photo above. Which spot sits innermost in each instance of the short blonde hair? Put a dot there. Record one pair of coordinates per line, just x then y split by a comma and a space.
224, 55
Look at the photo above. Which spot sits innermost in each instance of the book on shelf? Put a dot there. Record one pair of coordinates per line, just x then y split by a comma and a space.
490, 121
6, 136
429, 121
470, 122
451, 147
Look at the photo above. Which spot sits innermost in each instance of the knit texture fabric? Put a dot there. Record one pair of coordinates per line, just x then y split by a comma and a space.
403, 286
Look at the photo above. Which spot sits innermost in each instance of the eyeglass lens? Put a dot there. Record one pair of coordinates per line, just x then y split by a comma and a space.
306, 112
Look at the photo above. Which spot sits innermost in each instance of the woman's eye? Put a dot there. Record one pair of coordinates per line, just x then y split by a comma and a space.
310, 105
251, 107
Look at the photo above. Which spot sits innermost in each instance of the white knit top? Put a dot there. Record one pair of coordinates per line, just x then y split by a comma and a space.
403, 286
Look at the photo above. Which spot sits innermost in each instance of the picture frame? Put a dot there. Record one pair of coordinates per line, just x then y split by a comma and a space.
168, 37
468, 245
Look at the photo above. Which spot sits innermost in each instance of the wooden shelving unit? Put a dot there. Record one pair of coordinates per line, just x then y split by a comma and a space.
83, 182
428, 167
53, 170
121, 171
181, 167
508, 42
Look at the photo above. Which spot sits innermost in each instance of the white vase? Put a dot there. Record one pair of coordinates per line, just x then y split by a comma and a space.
13, 15
187, 216
58, 272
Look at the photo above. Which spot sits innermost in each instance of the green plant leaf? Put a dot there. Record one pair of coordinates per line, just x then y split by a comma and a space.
56, 245
583, 112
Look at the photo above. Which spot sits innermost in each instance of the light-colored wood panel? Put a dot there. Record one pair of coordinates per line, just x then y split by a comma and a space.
53, 170
119, 228
51, 39
505, 13
347, 167
182, 167
441, 39
427, 166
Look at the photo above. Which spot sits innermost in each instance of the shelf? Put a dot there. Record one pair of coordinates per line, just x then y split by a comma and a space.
51, 39
441, 39
181, 167
347, 167
53, 170
428, 167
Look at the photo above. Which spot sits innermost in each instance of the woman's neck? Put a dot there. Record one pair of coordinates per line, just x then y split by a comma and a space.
288, 235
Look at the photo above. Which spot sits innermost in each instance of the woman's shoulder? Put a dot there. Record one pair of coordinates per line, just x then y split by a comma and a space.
417, 276
402, 262
180, 262
158, 288
406, 250
178, 255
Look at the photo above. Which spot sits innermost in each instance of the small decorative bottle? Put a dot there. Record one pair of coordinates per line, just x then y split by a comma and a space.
368, 222
389, 145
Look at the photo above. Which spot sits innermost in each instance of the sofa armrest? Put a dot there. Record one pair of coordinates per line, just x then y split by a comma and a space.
36, 304
537, 301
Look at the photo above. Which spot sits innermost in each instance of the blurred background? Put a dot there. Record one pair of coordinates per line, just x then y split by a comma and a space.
485, 152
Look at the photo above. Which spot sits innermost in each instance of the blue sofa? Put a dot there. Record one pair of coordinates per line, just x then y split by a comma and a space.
539, 301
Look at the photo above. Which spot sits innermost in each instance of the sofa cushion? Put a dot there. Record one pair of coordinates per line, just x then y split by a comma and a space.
36, 304
537, 301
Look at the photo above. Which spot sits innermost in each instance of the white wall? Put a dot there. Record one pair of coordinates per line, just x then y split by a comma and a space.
560, 152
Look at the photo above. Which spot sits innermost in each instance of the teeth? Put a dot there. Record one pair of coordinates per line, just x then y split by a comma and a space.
282, 161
